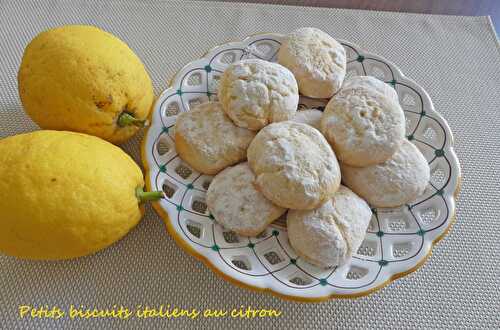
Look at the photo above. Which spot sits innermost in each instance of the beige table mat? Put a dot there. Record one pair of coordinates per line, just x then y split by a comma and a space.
456, 59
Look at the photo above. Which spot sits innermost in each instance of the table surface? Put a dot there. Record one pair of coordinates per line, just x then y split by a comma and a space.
447, 7
456, 59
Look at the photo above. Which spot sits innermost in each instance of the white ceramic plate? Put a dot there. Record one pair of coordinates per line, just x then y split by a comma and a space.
398, 239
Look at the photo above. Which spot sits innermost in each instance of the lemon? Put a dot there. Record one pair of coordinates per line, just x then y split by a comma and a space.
65, 195
80, 78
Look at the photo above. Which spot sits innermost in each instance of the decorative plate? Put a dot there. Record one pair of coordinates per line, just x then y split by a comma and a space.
398, 239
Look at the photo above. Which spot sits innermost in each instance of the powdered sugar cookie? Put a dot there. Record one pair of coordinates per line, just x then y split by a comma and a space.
399, 180
237, 205
208, 140
255, 93
316, 59
311, 117
294, 165
329, 235
369, 82
364, 123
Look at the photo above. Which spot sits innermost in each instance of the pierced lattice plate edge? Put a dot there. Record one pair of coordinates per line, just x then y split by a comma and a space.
411, 265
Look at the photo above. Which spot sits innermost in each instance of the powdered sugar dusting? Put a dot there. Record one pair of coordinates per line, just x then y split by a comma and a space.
364, 123
316, 59
237, 205
294, 164
399, 180
329, 235
208, 140
254, 93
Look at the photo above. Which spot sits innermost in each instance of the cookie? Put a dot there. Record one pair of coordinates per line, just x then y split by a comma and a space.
311, 117
208, 140
370, 82
294, 165
316, 59
329, 235
237, 205
398, 181
364, 123
255, 93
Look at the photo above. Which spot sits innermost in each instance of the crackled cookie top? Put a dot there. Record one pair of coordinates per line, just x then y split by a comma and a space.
294, 165
329, 235
369, 82
316, 59
364, 123
255, 93
208, 140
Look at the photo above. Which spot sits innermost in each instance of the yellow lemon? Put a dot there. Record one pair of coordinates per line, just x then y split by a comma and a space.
65, 195
80, 78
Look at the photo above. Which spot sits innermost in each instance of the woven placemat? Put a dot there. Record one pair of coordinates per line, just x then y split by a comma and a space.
456, 59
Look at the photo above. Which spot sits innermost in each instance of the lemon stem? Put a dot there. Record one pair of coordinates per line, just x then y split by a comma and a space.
144, 196
126, 119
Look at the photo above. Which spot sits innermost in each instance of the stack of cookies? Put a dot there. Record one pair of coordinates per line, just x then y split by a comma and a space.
269, 159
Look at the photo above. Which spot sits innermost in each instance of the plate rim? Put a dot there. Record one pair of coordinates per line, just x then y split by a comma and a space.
206, 261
